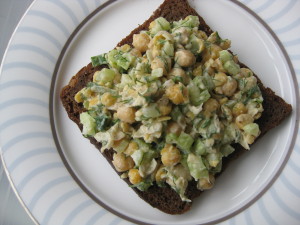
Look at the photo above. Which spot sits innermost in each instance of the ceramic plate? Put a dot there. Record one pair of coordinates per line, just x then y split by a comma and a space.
62, 179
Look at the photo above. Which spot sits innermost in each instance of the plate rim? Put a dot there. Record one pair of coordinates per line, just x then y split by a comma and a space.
231, 214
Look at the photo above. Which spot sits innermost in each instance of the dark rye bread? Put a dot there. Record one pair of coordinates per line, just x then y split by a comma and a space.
165, 198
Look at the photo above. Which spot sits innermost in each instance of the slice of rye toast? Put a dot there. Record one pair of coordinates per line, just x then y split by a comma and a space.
165, 198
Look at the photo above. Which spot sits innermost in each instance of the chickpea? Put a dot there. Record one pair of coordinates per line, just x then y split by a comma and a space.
160, 174
141, 41
197, 71
131, 148
227, 112
250, 82
122, 163
165, 109
183, 36
161, 62
220, 79
243, 119
206, 183
185, 58
211, 105
136, 52
134, 176
249, 139
126, 114
178, 72
214, 51
79, 97
238, 109
225, 44
218, 65
94, 101
245, 72
107, 99
229, 87
174, 128
201, 34
176, 93
170, 155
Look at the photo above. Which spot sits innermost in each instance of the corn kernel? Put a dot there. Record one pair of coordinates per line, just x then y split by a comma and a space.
131, 148
134, 176
107, 99
238, 109
170, 155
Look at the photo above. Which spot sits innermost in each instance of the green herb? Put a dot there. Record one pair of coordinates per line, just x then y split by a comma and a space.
205, 123
103, 122
99, 60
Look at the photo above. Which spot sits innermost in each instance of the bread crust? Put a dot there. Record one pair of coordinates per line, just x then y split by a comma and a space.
165, 198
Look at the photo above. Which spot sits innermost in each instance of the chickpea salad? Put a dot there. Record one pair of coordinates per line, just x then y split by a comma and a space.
171, 105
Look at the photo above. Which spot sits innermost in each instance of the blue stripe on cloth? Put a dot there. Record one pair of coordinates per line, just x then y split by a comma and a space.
265, 213
115, 221
82, 206
32, 48
248, 218
83, 7
57, 203
27, 155
49, 37
28, 83
21, 119
67, 10
45, 188
283, 205
289, 27
282, 12
30, 135
96, 217
289, 185
291, 42
38, 170
28, 65
18, 101
51, 19
264, 6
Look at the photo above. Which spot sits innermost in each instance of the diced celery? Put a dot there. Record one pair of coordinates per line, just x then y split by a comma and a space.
194, 93
151, 111
176, 113
89, 124
252, 129
168, 49
232, 67
158, 72
196, 44
199, 147
204, 96
225, 56
185, 142
190, 21
214, 159
171, 138
204, 82
99, 60
196, 166
111, 59
104, 76
137, 156
122, 146
227, 150
158, 25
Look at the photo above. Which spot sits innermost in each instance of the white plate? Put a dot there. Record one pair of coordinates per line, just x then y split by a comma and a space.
43, 51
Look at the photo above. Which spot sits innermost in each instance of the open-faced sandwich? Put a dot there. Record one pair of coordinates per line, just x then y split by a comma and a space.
170, 106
